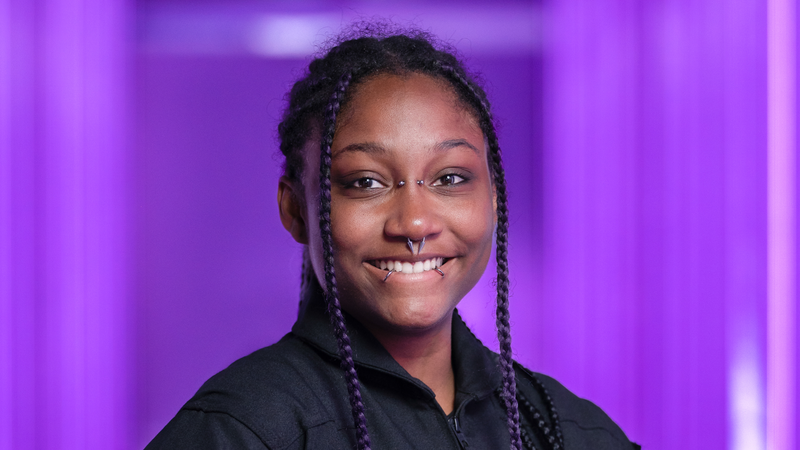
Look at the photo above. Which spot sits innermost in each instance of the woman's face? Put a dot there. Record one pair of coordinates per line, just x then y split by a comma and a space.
394, 130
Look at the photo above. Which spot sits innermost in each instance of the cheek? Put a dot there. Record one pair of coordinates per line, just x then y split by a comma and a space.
475, 222
355, 230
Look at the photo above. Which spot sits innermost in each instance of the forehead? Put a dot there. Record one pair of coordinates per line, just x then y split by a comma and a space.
406, 106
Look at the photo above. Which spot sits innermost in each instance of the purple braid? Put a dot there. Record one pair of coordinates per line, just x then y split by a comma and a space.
509, 394
332, 294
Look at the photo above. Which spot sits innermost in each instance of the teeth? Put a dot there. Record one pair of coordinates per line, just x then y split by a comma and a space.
406, 267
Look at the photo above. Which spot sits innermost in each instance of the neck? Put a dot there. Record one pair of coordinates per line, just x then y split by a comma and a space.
426, 356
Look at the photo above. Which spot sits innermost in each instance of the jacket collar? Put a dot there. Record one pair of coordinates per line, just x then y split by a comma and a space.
475, 366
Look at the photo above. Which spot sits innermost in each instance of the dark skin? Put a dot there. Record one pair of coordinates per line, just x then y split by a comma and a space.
402, 128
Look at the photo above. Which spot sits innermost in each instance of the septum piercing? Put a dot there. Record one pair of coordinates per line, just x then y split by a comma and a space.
411, 245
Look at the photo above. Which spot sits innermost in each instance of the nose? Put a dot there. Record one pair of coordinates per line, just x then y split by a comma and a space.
413, 214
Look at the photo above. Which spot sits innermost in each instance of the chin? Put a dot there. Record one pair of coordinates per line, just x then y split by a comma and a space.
417, 315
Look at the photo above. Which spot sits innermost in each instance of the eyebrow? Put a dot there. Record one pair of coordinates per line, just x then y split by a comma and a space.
364, 147
372, 147
453, 143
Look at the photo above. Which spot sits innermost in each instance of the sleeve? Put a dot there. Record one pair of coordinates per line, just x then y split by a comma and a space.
195, 429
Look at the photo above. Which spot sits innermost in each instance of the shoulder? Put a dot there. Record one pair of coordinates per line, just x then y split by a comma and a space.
583, 424
276, 393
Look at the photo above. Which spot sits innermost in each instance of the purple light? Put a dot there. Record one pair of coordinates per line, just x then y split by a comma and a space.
294, 31
64, 200
782, 185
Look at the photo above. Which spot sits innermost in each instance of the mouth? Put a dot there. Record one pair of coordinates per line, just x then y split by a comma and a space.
408, 267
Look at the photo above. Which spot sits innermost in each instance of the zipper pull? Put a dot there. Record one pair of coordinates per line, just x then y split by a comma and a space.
459, 435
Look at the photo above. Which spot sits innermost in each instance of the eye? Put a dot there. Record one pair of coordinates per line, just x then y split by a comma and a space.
367, 183
449, 180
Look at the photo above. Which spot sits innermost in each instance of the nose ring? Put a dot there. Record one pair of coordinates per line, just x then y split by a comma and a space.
411, 245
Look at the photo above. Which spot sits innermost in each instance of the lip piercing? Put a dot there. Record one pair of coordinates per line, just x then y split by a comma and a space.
410, 244
401, 183
392, 271
420, 182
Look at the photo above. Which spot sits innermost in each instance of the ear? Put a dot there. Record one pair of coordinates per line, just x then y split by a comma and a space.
292, 211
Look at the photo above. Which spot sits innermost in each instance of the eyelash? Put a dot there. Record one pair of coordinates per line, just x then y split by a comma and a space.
355, 183
453, 175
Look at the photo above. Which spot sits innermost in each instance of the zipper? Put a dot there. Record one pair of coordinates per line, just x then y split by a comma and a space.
455, 425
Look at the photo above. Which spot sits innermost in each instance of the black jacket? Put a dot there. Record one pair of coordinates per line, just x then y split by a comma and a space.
292, 395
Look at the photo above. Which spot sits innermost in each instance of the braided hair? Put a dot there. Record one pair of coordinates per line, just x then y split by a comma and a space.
314, 103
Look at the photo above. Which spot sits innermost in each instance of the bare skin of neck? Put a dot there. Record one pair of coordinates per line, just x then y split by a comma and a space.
427, 357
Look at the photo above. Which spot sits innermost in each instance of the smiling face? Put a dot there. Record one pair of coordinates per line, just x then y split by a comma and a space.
395, 132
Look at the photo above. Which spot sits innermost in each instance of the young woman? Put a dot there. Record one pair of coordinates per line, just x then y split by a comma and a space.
394, 183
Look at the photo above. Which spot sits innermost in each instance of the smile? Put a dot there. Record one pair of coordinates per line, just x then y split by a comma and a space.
408, 267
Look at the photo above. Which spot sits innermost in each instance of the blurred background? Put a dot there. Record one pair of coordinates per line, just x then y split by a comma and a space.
651, 154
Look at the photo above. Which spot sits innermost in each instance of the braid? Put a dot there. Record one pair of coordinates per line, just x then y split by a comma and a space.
509, 394
332, 295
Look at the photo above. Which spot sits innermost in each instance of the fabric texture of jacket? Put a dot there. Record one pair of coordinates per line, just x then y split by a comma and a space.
292, 395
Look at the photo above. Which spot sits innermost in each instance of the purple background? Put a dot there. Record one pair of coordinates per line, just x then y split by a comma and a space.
141, 252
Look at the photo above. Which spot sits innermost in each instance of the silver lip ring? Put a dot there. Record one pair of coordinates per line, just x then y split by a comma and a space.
420, 182
392, 271
401, 183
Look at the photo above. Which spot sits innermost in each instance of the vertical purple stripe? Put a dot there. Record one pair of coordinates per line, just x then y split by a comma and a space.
746, 222
18, 239
6, 239
64, 293
782, 332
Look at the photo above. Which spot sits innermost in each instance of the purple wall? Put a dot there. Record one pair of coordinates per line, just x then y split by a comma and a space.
655, 214
650, 149
66, 331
